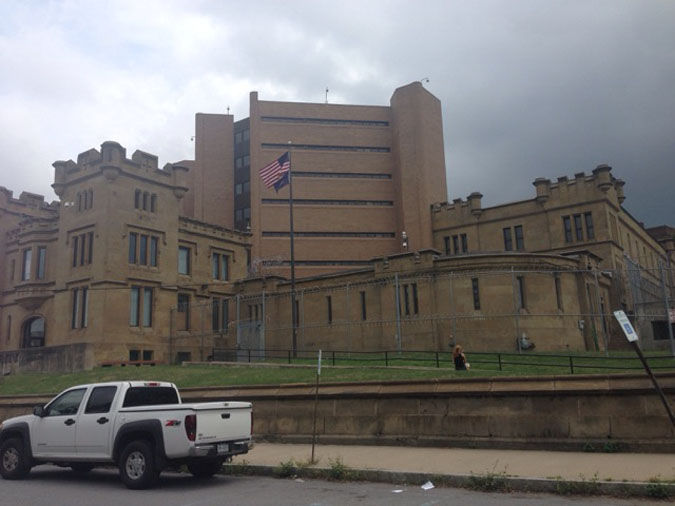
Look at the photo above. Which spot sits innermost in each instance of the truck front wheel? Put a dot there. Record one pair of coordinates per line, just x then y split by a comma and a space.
204, 469
14, 464
137, 465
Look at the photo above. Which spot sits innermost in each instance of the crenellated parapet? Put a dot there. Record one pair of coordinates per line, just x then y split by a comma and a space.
112, 162
29, 204
600, 183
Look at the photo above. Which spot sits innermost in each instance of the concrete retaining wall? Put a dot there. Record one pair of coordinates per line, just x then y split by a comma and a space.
601, 413
66, 358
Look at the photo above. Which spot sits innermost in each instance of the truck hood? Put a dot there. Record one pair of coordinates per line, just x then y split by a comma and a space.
16, 419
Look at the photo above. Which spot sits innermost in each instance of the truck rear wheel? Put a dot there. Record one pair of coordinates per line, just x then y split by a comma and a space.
204, 469
14, 463
137, 465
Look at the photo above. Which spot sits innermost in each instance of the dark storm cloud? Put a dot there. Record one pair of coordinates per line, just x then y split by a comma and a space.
529, 88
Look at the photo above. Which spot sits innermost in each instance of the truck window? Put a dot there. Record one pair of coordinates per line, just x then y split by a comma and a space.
100, 400
149, 396
66, 404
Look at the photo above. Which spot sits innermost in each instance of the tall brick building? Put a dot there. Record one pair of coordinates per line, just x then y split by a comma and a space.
362, 175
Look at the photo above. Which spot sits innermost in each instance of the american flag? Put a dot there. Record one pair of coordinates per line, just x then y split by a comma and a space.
276, 173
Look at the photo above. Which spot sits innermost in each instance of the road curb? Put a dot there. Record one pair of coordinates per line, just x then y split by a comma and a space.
486, 483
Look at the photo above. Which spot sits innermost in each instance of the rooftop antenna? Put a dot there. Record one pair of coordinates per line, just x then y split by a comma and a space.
228, 109
326, 95
423, 80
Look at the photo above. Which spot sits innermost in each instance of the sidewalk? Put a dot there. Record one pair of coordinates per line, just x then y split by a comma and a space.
576, 472
518, 463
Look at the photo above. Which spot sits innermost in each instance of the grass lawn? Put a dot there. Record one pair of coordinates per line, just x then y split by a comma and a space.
419, 366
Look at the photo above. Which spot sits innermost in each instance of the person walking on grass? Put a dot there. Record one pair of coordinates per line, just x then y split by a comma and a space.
460, 359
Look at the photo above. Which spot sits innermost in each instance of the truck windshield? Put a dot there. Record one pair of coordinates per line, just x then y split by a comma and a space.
150, 396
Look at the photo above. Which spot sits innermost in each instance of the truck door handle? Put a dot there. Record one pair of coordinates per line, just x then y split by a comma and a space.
70, 421
225, 416
102, 420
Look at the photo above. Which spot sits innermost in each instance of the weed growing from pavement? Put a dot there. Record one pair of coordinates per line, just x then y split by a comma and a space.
491, 482
581, 487
339, 470
657, 491
286, 469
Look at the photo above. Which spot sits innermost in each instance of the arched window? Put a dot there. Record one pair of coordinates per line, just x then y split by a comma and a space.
34, 333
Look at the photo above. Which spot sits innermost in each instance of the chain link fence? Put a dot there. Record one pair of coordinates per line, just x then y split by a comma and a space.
485, 311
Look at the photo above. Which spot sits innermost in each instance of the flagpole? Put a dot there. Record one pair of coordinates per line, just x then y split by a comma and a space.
293, 309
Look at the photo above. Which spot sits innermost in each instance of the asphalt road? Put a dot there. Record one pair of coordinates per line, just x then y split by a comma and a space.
53, 486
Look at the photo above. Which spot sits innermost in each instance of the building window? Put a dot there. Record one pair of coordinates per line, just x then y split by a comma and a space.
446, 242
34, 333
146, 196
455, 244
75, 245
329, 307
520, 238
237, 137
465, 243
183, 260
476, 293
9, 327
153, 251
220, 266
143, 249
508, 241
364, 314
12, 270
26, 264
183, 309
137, 199
567, 227
90, 251
133, 240
140, 314
153, 203
521, 292
578, 227
416, 305
406, 301
79, 201
219, 315
590, 230
80, 309
238, 189
558, 291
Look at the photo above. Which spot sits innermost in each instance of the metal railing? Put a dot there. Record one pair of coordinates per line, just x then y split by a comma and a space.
487, 361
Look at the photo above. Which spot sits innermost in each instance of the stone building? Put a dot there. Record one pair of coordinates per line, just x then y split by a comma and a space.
581, 213
362, 176
427, 301
138, 263
104, 267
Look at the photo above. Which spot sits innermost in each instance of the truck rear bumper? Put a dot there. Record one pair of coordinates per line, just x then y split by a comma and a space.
220, 449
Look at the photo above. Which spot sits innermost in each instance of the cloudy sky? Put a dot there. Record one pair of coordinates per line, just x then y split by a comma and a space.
529, 89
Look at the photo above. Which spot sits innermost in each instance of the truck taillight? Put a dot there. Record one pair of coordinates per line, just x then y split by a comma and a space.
191, 427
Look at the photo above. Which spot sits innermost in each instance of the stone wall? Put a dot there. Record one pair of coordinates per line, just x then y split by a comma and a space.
609, 412
66, 358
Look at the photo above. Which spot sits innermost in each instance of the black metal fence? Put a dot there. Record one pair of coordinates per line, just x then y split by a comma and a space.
535, 363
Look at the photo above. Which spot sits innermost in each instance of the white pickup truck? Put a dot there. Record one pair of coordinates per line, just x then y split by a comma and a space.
141, 427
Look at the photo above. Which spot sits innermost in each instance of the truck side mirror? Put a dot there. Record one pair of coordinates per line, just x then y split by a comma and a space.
39, 411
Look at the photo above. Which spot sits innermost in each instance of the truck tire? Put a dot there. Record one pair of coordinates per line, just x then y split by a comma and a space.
137, 465
14, 464
204, 469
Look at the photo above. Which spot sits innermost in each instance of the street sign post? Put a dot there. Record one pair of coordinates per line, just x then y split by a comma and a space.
632, 337
316, 402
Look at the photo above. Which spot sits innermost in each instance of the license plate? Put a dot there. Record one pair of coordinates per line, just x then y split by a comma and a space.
223, 448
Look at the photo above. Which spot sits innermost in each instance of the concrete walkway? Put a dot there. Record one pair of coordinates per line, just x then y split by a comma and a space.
572, 466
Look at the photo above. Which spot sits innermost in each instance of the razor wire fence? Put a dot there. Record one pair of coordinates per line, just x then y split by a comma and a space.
508, 311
